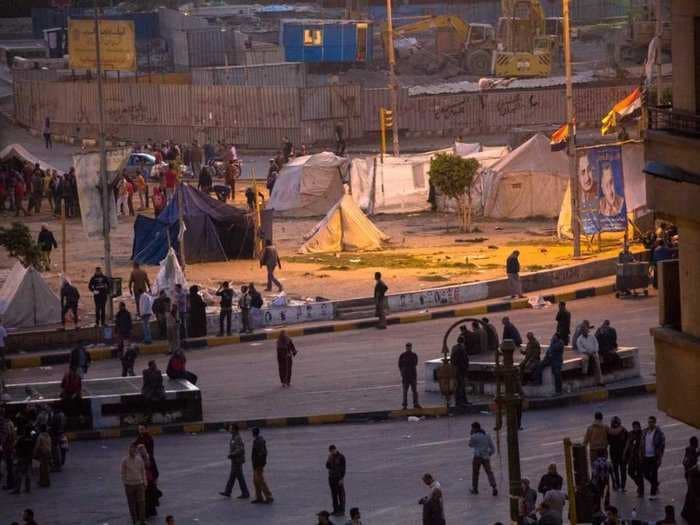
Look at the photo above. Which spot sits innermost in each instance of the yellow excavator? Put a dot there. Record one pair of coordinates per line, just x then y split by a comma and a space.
525, 48
475, 43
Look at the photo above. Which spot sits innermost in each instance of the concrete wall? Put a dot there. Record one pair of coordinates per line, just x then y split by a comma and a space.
683, 50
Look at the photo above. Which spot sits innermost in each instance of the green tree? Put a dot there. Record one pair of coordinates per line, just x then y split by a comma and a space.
17, 240
454, 177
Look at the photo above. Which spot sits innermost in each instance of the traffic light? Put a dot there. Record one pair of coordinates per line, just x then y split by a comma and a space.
388, 118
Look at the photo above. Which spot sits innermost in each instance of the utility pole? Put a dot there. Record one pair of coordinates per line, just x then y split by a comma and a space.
571, 124
659, 31
104, 181
393, 88
510, 375
181, 224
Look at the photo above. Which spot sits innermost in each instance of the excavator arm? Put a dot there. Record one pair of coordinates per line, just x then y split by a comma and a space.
428, 23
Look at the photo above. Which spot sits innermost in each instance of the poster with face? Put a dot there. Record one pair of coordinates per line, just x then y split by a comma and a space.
602, 190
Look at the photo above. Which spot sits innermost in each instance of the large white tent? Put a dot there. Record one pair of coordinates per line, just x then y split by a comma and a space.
20, 152
344, 228
27, 301
309, 185
397, 185
529, 182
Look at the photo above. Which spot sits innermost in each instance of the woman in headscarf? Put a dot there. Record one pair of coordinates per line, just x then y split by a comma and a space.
153, 494
198, 314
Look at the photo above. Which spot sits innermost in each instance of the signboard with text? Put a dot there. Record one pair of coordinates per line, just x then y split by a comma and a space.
117, 45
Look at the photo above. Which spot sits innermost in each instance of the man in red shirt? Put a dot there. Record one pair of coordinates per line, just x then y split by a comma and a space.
20, 193
170, 182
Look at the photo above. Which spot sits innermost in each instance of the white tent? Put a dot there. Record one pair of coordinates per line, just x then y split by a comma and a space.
27, 301
529, 182
20, 152
398, 185
309, 185
344, 228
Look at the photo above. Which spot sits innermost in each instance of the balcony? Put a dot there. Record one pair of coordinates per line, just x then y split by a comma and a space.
681, 123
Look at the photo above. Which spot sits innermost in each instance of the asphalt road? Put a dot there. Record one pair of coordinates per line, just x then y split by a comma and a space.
353, 370
385, 463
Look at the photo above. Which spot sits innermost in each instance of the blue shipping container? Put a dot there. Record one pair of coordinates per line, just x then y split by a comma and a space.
327, 41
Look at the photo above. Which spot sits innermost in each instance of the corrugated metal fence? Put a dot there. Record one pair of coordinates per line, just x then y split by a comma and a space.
288, 74
258, 116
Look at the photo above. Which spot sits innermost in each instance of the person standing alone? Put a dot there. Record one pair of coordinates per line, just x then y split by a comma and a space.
236, 453
336, 479
380, 289
483, 447
652, 449
99, 286
285, 355
138, 284
226, 294
408, 363
259, 460
133, 473
513, 273
563, 323
46, 242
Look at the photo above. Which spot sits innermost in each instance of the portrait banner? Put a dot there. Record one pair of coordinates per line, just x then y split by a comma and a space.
602, 190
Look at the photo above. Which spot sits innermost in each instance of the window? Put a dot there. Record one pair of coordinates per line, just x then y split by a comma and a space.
313, 37
361, 42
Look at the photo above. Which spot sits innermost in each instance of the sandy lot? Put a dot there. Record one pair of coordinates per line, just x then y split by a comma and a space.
426, 250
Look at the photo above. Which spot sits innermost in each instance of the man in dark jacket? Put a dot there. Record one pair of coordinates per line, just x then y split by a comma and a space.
46, 242
607, 343
69, 302
408, 363
564, 323
380, 289
550, 481
652, 452
460, 360
513, 273
99, 286
336, 475
270, 259
510, 331
122, 326
259, 460
554, 357
80, 359
152, 388
161, 308
491, 335
236, 453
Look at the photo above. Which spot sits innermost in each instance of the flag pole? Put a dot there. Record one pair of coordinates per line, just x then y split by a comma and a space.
571, 143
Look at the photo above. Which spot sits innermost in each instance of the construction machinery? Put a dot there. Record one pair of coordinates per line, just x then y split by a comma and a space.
525, 48
472, 44
641, 28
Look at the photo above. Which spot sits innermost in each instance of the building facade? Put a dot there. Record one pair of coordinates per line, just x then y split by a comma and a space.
673, 192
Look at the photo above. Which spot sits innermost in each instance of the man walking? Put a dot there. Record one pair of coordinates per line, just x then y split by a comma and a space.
236, 453
380, 290
226, 305
652, 449
596, 438
408, 363
99, 286
554, 357
271, 260
483, 447
46, 242
259, 460
146, 309
336, 475
133, 472
138, 284
513, 273
587, 345
563, 322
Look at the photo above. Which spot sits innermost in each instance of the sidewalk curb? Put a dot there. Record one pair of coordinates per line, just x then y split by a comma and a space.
375, 416
161, 347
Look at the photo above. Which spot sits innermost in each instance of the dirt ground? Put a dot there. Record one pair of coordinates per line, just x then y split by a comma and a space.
426, 250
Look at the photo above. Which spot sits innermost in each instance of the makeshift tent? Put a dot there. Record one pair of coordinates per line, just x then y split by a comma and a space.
529, 182
214, 231
634, 186
27, 301
487, 156
344, 228
15, 151
398, 185
309, 185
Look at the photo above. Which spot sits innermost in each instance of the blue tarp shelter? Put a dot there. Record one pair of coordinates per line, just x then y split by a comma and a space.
214, 231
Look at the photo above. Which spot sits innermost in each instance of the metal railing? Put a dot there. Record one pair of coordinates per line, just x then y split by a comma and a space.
677, 122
